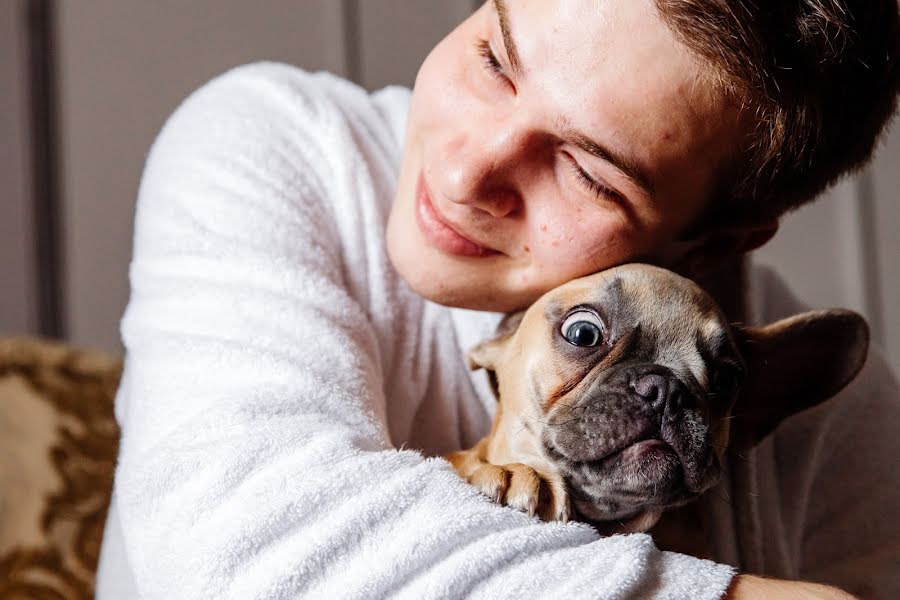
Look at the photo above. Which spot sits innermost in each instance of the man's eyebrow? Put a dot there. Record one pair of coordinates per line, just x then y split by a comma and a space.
511, 52
628, 166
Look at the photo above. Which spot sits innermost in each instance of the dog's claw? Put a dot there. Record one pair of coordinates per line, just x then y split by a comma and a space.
523, 491
559, 505
516, 485
522, 487
492, 481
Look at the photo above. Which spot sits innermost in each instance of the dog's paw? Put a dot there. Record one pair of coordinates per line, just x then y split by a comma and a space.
522, 487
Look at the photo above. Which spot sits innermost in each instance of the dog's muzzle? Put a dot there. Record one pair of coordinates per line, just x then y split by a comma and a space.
637, 437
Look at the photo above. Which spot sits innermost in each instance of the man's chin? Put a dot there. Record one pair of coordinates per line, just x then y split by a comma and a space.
434, 281
477, 298
452, 282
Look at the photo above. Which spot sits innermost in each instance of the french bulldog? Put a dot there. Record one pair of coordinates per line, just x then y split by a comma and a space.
617, 393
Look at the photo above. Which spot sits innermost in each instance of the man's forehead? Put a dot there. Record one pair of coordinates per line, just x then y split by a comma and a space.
594, 59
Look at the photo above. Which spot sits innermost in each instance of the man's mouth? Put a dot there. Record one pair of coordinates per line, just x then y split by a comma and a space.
439, 232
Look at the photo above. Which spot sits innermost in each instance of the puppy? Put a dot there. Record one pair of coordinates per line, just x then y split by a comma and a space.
617, 392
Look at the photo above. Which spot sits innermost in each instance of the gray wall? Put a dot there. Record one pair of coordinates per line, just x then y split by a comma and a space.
124, 66
844, 250
18, 309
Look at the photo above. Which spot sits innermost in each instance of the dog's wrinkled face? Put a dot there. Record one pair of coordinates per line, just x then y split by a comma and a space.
625, 378
630, 401
624, 382
636, 418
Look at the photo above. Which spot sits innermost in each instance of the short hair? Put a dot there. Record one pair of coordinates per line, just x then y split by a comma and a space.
819, 77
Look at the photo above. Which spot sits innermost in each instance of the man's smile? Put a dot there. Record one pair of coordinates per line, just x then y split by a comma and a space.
439, 232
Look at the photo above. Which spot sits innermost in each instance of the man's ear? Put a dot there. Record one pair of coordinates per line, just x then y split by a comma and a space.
797, 363
721, 243
486, 354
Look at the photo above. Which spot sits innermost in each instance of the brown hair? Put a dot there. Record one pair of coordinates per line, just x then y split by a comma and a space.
821, 80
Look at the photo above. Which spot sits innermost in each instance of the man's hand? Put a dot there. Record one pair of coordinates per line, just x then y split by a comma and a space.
753, 587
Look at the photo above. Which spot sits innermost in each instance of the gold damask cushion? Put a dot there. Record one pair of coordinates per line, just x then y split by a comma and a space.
58, 443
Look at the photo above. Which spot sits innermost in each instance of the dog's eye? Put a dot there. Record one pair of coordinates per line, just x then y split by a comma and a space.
725, 383
583, 328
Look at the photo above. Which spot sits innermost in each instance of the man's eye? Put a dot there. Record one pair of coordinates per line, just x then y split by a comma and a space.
490, 61
593, 186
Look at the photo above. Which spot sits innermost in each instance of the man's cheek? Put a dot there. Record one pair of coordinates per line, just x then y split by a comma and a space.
599, 250
554, 264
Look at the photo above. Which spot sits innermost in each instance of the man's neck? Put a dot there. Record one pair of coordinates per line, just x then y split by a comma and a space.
727, 286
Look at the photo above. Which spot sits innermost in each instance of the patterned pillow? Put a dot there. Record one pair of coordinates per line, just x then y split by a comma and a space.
58, 443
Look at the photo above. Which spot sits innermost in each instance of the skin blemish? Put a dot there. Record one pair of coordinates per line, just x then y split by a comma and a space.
555, 243
526, 248
543, 227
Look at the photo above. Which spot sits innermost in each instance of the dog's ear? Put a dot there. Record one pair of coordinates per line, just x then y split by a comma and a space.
486, 354
797, 363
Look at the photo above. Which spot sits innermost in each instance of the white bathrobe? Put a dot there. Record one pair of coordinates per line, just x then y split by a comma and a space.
283, 390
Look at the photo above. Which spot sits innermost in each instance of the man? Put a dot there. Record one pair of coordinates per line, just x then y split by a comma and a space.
279, 346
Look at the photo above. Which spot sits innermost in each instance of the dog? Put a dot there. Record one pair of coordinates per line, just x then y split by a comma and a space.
617, 392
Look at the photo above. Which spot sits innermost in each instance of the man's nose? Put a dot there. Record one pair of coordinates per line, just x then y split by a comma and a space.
483, 166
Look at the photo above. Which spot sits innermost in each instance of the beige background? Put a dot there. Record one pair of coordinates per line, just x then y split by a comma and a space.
125, 65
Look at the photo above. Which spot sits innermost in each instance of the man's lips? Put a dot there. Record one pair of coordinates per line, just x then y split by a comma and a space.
438, 231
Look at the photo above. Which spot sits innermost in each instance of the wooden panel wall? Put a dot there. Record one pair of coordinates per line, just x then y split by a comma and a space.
844, 249
883, 239
125, 66
396, 35
18, 267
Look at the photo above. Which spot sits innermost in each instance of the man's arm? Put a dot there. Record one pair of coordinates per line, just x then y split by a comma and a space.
753, 587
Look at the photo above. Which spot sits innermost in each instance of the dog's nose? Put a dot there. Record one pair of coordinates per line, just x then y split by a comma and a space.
660, 391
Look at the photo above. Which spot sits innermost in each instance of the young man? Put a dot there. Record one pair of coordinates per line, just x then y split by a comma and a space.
281, 344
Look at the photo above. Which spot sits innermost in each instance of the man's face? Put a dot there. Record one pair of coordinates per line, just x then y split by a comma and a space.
578, 137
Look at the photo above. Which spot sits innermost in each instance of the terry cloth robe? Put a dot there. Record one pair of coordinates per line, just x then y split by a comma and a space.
285, 394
